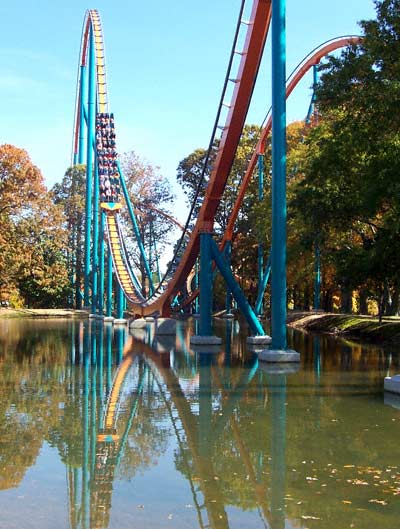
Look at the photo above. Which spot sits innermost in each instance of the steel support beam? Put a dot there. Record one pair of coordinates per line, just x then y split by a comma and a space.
89, 165
278, 255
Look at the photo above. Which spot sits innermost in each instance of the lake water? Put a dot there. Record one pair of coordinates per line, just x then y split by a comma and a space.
100, 430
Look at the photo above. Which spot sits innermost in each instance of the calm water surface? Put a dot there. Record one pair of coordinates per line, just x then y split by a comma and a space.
101, 430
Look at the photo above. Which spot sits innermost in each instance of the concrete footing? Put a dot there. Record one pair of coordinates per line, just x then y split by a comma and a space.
165, 326
281, 368
120, 321
278, 355
108, 319
259, 340
92, 316
149, 319
392, 384
140, 323
197, 339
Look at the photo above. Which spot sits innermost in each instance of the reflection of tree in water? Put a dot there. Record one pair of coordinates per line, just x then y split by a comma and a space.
148, 437
29, 396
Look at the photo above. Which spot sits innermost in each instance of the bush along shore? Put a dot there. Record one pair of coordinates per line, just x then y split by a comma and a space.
363, 328
42, 313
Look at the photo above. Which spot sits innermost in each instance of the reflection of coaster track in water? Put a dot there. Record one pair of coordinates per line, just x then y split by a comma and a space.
187, 432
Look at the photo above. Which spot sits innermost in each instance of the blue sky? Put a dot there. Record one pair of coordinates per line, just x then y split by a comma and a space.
166, 63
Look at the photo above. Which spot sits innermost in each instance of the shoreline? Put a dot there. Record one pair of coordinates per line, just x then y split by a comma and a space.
352, 326
42, 313
355, 327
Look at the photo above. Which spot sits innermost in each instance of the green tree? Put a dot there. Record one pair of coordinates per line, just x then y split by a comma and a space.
351, 190
32, 260
70, 194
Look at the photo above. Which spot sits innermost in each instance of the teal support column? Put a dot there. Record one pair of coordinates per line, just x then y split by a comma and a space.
262, 286
135, 227
95, 256
278, 257
89, 165
241, 300
317, 276
313, 97
82, 111
120, 303
196, 285
100, 300
109, 283
228, 298
260, 256
206, 285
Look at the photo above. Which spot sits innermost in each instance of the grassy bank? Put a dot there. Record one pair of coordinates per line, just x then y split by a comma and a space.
42, 313
365, 328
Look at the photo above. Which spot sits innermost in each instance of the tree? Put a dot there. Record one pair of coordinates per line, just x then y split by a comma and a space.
150, 194
351, 190
32, 260
70, 194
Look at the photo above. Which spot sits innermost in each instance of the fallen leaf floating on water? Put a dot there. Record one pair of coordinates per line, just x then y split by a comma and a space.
379, 502
349, 466
309, 478
357, 482
305, 517
347, 501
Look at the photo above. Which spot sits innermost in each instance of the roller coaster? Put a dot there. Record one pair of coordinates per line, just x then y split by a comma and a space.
94, 143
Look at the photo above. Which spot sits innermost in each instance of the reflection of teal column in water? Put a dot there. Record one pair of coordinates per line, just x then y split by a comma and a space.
317, 357
235, 396
132, 414
101, 369
228, 342
205, 404
278, 441
120, 339
85, 427
93, 402
71, 332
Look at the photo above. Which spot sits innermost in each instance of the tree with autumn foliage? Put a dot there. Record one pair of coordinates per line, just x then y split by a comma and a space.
32, 240
151, 196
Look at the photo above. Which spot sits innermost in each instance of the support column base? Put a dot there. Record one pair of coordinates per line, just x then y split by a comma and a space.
139, 323
259, 340
108, 319
198, 339
92, 316
120, 321
278, 355
392, 384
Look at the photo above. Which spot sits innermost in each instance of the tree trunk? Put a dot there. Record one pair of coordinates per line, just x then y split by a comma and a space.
363, 302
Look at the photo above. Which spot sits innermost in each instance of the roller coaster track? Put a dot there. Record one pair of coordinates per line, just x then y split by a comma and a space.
257, 30
312, 59
251, 55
